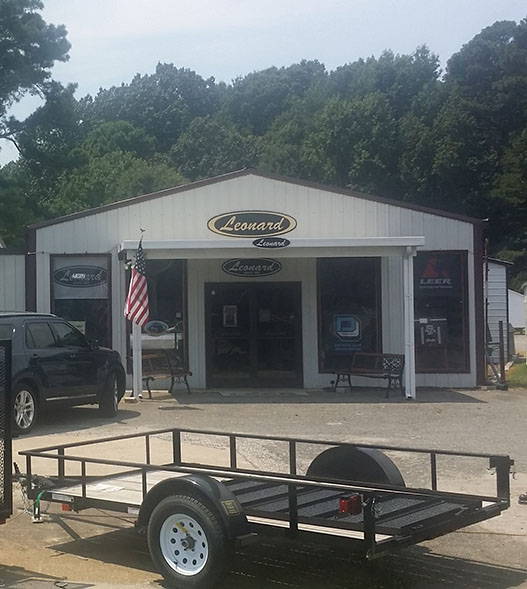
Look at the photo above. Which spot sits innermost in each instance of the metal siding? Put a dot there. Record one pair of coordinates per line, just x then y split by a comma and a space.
318, 214
497, 304
12, 282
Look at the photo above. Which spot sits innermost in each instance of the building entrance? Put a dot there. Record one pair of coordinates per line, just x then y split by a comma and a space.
253, 334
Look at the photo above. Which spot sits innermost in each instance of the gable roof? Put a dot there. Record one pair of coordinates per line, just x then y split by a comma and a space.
251, 172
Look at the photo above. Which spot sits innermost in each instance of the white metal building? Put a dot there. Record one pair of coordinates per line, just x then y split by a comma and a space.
269, 281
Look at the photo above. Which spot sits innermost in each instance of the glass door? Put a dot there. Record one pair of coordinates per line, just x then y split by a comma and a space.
253, 335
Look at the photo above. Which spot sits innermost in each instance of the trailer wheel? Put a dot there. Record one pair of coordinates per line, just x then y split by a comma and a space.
187, 543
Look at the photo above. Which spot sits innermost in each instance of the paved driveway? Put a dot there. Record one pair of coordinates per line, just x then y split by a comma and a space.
97, 548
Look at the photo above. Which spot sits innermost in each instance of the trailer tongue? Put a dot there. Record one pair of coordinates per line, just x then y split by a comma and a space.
194, 514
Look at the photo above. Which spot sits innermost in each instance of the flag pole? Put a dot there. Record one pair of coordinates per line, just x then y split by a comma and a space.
137, 366
136, 310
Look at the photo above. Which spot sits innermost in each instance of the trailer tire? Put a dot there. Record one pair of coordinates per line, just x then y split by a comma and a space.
187, 543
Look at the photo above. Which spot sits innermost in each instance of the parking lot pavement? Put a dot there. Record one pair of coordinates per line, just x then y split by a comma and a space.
99, 549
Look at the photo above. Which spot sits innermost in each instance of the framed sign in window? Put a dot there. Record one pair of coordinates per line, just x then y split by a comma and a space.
441, 312
349, 309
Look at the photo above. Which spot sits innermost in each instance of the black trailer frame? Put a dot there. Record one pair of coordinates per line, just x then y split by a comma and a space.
6, 489
373, 537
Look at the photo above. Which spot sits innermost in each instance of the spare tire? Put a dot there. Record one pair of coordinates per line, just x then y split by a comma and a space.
356, 464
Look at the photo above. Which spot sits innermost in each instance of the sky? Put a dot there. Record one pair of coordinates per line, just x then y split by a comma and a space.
112, 40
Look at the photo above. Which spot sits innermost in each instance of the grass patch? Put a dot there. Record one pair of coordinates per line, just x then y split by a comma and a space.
517, 376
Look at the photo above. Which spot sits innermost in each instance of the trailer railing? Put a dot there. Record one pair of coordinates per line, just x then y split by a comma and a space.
500, 462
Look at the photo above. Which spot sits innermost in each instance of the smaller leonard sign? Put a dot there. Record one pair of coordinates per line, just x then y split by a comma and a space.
250, 268
251, 224
271, 242
80, 276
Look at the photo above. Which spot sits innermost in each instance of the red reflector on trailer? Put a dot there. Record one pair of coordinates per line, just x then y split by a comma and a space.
351, 505
66, 507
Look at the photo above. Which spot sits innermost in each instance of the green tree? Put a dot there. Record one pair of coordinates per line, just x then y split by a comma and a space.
209, 148
355, 143
110, 177
254, 101
399, 78
163, 103
28, 49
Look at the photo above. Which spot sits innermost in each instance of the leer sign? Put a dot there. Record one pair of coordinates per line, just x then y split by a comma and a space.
251, 224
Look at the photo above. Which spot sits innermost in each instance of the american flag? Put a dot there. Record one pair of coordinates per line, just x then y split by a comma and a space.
136, 306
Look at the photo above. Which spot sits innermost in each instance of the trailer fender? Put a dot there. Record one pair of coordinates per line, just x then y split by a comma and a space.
210, 491
353, 463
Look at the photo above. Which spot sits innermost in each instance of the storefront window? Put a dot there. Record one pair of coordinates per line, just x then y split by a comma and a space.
349, 296
81, 294
441, 330
166, 294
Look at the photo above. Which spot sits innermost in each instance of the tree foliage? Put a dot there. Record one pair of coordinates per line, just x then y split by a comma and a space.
394, 125
28, 48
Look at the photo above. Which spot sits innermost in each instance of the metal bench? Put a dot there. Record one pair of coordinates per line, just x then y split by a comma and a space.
389, 367
163, 364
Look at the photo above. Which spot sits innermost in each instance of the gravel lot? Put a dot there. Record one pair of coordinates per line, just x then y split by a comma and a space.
95, 548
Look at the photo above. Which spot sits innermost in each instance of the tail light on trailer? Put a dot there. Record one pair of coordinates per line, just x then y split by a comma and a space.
351, 505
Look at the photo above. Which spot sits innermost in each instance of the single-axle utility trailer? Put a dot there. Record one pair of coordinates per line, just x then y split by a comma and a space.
194, 514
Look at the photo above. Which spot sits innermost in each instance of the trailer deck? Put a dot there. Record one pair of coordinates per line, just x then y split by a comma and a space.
268, 503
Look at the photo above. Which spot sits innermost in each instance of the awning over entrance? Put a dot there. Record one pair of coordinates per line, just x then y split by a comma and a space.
404, 247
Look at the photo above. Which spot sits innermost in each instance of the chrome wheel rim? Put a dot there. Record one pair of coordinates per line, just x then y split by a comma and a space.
115, 394
184, 544
24, 409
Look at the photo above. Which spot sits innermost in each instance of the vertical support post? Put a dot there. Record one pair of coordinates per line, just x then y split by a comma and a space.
176, 446
137, 367
83, 478
409, 343
29, 476
433, 470
503, 379
292, 457
369, 525
293, 510
502, 464
147, 448
144, 486
60, 463
232, 449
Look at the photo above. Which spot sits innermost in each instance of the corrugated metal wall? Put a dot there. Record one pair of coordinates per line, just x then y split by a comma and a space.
319, 214
497, 307
12, 282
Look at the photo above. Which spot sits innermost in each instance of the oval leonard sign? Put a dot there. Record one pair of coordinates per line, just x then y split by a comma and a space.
271, 242
250, 268
251, 224
80, 276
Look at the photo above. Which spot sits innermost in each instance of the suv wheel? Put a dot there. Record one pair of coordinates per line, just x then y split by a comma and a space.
109, 402
25, 408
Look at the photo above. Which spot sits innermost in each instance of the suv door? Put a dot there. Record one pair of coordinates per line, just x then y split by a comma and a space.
80, 359
45, 359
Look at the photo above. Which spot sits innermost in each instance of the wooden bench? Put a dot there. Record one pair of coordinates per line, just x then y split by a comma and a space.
389, 367
164, 364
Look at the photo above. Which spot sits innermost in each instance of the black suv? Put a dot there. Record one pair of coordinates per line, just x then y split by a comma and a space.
54, 363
